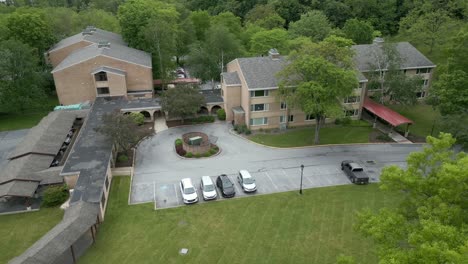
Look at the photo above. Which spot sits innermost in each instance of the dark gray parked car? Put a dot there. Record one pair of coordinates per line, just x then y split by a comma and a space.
355, 172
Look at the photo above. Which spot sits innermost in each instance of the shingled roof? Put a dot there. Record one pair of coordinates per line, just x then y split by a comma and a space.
260, 72
410, 56
92, 36
114, 51
48, 136
77, 220
231, 78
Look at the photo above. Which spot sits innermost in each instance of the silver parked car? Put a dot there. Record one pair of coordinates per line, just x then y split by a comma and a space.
189, 193
246, 181
208, 188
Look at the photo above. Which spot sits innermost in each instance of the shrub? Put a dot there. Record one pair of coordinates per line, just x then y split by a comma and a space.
55, 195
178, 142
213, 151
189, 155
221, 114
248, 131
138, 118
181, 151
207, 154
197, 155
122, 158
202, 119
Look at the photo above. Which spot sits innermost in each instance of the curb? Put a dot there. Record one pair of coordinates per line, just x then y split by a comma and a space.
231, 131
212, 156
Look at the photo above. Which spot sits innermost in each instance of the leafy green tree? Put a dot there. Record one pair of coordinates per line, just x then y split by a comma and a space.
182, 102
62, 21
360, 32
21, 81
201, 23
451, 92
106, 5
428, 29
138, 118
265, 16
30, 28
230, 21
208, 58
429, 226
313, 24
98, 18
337, 12
313, 82
290, 10
265, 40
455, 124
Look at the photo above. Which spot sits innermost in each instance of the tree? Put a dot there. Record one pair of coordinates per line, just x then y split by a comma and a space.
337, 12
455, 124
313, 81
21, 82
30, 28
229, 21
122, 130
265, 16
429, 226
98, 18
290, 10
265, 40
313, 24
360, 32
207, 58
182, 102
428, 29
385, 75
201, 23
451, 93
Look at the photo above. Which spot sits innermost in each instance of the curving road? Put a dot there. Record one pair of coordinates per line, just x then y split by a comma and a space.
158, 169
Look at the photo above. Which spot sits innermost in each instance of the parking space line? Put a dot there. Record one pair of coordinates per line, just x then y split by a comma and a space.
268, 176
154, 191
177, 196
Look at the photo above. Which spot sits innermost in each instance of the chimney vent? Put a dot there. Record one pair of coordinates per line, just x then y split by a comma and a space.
91, 28
104, 44
378, 41
87, 32
274, 54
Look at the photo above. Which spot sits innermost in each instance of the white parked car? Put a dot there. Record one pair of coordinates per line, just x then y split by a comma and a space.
189, 193
208, 188
246, 181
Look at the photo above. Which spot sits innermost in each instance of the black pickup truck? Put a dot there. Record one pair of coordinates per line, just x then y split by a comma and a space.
354, 172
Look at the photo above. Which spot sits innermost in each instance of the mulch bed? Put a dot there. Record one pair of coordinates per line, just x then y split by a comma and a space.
128, 163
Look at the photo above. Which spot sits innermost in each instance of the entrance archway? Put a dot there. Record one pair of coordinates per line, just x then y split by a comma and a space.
203, 110
215, 109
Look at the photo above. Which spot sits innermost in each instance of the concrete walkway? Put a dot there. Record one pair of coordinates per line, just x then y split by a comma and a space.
160, 124
387, 130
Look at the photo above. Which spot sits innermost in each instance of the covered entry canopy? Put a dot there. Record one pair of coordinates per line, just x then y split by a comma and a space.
387, 114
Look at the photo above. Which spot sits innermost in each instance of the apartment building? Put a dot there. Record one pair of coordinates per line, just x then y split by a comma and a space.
250, 86
98, 63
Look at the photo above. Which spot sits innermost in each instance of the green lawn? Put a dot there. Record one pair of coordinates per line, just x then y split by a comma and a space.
20, 231
423, 117
13, 121
279, 228
298, 137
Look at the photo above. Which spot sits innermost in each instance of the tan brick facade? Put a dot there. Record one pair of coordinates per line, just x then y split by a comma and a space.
54, 57
77, 84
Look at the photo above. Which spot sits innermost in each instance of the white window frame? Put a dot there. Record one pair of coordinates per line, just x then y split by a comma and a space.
264, 121
283, 106
423, 94
266, 107
283, 119
423, 70
266, 93
358, 99
291, 118
355, 112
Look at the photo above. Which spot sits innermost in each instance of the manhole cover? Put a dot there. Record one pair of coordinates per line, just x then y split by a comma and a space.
371, 161
183, 251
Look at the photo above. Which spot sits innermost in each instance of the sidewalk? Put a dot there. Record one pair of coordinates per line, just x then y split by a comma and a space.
160, 124
388, 131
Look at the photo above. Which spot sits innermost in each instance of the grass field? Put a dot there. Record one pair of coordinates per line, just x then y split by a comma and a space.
298, 137
280, 228
14, 121
423, 117
20, 231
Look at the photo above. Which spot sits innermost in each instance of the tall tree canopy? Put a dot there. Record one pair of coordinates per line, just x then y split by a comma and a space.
314, 24
265, 40
429, 226
316, 77
360, 32
182, 102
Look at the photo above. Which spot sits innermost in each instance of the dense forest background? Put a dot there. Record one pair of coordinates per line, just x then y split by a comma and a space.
206, 34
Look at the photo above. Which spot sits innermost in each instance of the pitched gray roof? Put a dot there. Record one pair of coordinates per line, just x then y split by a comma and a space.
212, 96
115, 51
23, 168
260, 72
96, 37
18, 188
231, 78
410, 56
78, 219
48, 136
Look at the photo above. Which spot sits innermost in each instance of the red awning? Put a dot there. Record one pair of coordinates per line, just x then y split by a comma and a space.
387, 114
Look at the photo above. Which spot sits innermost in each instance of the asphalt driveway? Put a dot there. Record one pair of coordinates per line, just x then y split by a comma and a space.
158, 169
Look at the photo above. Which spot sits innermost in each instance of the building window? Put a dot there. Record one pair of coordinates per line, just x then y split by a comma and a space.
352, 99
425, 82
283, 105
361, 85
423, 70
259, 107
259, 93
103, 90
259, 121
291, 118
309, 117
351, 112
421, 94
282, 119
100, 77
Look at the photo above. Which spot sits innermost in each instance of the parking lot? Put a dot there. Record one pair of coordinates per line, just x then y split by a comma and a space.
158, 169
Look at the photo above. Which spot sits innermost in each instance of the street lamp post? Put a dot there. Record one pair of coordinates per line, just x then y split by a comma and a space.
302, 173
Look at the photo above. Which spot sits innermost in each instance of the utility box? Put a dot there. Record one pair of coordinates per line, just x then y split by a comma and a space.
195, 141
